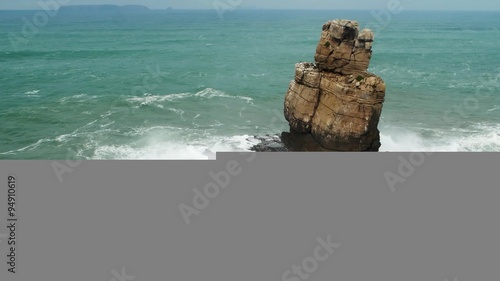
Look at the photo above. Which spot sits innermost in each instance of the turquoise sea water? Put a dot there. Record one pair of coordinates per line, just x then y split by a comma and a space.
177, 85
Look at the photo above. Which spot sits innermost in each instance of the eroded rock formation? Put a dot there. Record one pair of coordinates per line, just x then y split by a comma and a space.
335, 103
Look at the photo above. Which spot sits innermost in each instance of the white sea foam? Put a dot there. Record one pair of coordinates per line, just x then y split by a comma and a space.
493, 109
26, 148
478, 138
77, 98
148, 99
172, 150
33, 93
171, 143
395, 140
411, 141
208, 93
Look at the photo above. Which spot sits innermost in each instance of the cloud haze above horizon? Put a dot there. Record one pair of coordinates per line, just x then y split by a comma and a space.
266, 4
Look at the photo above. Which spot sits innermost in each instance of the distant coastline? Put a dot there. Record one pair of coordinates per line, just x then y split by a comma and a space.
104, 8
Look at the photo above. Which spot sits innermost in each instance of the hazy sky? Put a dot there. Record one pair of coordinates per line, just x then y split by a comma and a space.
277, 4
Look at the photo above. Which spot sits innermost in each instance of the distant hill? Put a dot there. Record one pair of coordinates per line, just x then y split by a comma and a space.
105, 8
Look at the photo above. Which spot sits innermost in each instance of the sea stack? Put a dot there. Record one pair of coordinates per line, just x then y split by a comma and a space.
335, 104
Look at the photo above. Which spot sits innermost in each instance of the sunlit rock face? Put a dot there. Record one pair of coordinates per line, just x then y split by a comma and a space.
335, 103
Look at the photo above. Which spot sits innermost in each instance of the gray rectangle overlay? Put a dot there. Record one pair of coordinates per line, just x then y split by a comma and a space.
266, 216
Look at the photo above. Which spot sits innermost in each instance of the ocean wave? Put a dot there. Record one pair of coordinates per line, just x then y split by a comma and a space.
459, 85
142, 131
63, 54
208, 93
77, 98
33, 93
32, 146
476, 138
148, 99
172, 150
493, 109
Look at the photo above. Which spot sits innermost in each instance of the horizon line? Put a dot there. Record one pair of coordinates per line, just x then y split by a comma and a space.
274, 9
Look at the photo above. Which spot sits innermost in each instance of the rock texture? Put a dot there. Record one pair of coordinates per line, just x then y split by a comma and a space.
343, 49
335, 104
